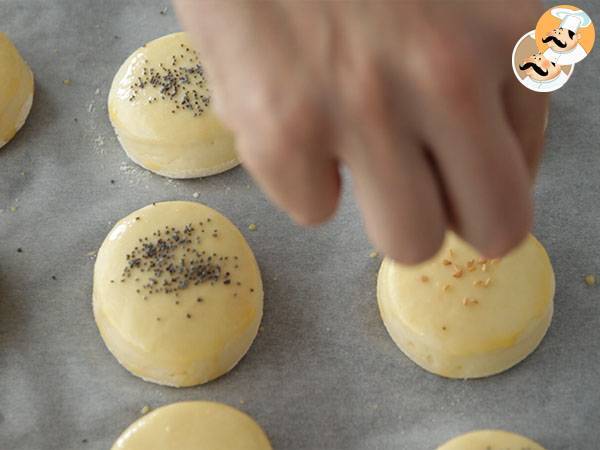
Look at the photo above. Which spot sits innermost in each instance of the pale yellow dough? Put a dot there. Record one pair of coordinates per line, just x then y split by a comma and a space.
194, 426
460, 316
184, 337
16, 90
490, 440
152, 130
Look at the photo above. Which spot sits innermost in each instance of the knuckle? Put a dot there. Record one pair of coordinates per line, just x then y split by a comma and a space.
366, 93
287, 128
446, 70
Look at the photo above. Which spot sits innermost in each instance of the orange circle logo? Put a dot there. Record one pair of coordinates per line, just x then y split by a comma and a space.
565, 34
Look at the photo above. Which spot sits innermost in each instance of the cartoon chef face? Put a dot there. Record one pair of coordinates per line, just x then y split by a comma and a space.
539, 68
561, 40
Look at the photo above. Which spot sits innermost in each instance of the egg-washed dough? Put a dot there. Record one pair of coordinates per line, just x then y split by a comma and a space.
490, 440
161, 131
461, 316
194, 426
16, 90
189, 322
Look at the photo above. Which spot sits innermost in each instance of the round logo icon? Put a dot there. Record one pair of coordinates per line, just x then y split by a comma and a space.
544, 59
534, 70
565, 34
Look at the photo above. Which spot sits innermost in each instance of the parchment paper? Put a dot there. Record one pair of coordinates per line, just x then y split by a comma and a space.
323, 373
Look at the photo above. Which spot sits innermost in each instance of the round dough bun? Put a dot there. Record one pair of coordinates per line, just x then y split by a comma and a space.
461, 316
16, 90
177, 296
159, 106
492, 440
194, 426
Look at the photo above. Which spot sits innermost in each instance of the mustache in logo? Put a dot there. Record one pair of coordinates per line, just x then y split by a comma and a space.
541, 72
555, 40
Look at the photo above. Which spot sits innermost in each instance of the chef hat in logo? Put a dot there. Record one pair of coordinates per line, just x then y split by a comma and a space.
570, 19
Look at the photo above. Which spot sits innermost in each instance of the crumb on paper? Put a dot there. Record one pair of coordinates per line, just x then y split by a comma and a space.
67, 82
145, 410
252, 227
91, 107
590, 279
97, 91
373, 254
99, 144
171, 182
196, 194
135, 174
242, 401
13, 209
164, 11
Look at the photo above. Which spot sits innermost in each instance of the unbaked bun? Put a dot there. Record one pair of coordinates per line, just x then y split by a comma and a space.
177, 295
194, 426
463, 316
16, 90
490, 440
160, 107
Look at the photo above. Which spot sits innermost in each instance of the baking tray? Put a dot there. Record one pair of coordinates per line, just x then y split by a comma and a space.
323, 373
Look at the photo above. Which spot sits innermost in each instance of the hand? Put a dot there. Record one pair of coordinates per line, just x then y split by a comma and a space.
417, 99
